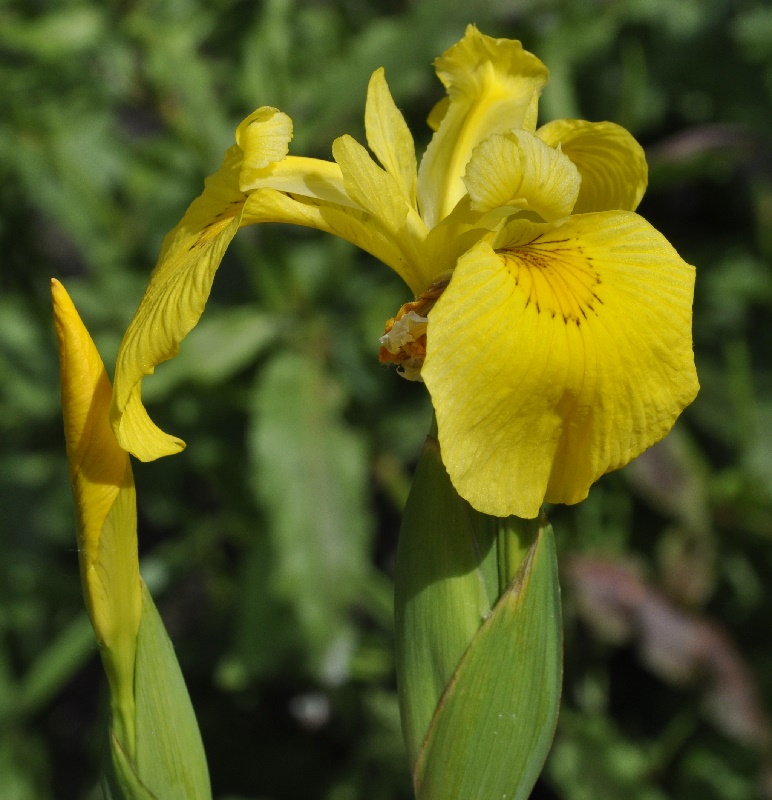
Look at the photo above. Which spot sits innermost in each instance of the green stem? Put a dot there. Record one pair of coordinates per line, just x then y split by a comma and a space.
514, 537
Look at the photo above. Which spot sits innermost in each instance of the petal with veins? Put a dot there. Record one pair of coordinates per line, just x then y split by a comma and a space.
172, 304
612, 164
493, 86
519, 169
389, 137
559, 360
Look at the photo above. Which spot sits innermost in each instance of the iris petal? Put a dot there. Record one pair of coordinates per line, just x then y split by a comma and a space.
172, 304
354, 225
309, 177
493, 86
389, 137
612, 164
519, 169
263, 138
559, 360
368, 185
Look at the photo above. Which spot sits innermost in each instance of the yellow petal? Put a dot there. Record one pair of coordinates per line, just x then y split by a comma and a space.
612, 164
389, 137
376, 191
559, 360
437, 114
264, 138
368, 185
309, 177
172, 304
98, 466
105, 505
518, 169
493, 86
355, 226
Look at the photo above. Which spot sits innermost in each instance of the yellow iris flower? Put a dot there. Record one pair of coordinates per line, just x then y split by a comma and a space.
551, 325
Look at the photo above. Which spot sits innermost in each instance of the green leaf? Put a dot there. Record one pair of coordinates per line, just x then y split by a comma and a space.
446, 584
493, 729
170, 762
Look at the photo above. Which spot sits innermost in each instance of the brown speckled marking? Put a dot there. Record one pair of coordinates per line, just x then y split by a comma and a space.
570, 276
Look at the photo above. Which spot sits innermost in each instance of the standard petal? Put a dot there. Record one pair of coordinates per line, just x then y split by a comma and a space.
172, 304
389, 137
611, 162
518, 169
493, 86
559, 360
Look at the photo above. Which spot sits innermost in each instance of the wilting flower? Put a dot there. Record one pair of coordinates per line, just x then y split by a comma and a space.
551, 324
105, 508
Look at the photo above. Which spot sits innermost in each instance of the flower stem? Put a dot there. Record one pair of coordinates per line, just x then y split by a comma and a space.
514, 536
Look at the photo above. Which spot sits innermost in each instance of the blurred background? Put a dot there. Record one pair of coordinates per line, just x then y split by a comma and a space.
269, 543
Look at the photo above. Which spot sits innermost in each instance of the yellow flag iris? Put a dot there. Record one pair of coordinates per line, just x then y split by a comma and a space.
551, 324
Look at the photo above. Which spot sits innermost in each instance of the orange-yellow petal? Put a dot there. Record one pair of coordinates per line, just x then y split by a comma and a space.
493, 86
612, 164
559, 360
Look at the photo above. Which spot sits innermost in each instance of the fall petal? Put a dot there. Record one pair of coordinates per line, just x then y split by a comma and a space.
172, 304
559, 360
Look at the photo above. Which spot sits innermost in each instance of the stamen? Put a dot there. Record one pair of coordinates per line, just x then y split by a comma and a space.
404, 340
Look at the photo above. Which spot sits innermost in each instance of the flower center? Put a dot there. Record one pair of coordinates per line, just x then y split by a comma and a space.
404, 339
561, 281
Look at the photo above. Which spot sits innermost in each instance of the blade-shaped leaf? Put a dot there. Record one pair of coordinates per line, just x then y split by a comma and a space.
170, 761
446, 584
493, 728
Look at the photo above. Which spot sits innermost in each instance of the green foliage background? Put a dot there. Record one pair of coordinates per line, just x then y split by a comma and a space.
269, 543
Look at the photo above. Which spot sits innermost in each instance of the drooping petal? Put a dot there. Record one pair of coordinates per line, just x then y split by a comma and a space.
493, 86
518, 169
611, 162
389, 137
559, 360
172, 304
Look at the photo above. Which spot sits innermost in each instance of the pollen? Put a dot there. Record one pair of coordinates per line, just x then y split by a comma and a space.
561, 281
404, 339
